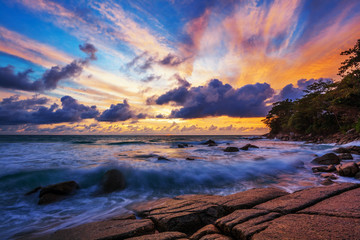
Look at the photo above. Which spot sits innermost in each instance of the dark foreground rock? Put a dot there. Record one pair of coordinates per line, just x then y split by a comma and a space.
247, 146
347, 169
329, 158
113, 180
329, 212
57, 192
231, 149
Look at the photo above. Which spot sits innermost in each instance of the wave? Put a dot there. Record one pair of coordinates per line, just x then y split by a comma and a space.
127, 143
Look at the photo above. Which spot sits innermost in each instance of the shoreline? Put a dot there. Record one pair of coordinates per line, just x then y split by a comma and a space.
327, 212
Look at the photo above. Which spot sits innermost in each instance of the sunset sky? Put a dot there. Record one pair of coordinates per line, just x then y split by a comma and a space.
163, 66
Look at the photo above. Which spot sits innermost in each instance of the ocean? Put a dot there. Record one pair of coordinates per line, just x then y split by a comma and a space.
31, 161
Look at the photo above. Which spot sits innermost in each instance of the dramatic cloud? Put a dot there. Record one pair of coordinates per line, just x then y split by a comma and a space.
293, 93
171, 60
218, 99
89, 49
14, 111
50, 79
119, 112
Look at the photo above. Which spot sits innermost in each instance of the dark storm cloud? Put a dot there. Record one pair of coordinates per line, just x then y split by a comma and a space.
32, 111
218, 99
171, 60
119, 112
293, 93
89, 49
50, 79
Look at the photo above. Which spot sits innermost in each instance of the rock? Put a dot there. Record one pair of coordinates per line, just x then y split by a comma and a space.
183, 145
343, 205
227, 223
215, 236
208, 229
113, 180
329, 158
315, 227
32, 191
111, 229
161, 236
342, 150
231, 149
247, 146
210, 143
161, 158
190, 158
303, 198
347, 169
327, 182
250, 198
329, 168
346, 156
184, 213
357, 175
57, 192
328, 175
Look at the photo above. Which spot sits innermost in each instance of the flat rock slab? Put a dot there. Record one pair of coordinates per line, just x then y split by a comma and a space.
112, 229
314, 227
207, 230
346, 204
250, 198
215, 236
305, 198
161, 236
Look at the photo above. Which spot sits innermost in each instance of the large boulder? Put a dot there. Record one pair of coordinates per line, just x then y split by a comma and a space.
247, 146
329, 168
329, 158
113, 180
57, 192
231, 149
351, 149
210, 143
347, 169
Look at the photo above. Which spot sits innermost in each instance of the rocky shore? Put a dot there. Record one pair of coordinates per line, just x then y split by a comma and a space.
327, 212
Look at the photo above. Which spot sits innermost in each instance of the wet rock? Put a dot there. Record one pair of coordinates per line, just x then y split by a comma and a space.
351, 149
161, 158
259, 158
327, 182
357, 175
346, 156
329, 168
32, 191
210, 143
208, 229
328, 175
343, 205
161, 236
304, 198
247, 146
183, 145
342, 150
329, 158
347, 169
231, 149
113, 180
303, 226
111, 229
57, 192
190, 158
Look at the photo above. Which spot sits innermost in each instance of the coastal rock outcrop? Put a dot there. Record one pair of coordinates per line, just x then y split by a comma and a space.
57, 192
247, 146
210, 143
113, 180
346, 156
231, 149
328, 212
329, 158
347, 169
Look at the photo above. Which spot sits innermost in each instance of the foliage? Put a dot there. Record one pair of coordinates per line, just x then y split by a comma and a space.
326, 107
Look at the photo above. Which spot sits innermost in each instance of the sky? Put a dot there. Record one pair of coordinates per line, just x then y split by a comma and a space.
163, 66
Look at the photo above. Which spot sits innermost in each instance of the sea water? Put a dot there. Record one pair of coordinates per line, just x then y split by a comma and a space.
31, 161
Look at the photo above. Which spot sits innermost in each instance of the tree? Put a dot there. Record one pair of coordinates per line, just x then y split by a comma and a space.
352, 64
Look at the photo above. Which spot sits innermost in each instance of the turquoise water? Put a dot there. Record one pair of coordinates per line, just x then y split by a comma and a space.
31, 161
